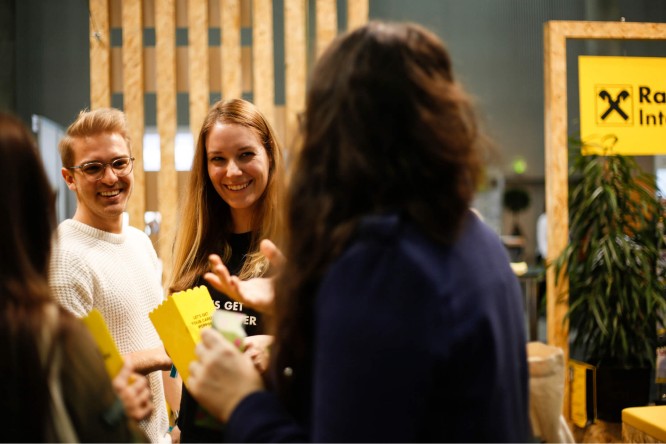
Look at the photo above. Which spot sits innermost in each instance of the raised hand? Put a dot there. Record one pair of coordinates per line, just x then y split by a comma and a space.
256, 293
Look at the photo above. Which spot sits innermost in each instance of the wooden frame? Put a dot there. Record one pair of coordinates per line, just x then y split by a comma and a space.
556, 161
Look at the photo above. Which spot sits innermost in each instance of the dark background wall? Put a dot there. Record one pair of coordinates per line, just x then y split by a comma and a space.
52, 58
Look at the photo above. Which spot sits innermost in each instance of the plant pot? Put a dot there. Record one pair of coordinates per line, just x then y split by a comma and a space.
619, 388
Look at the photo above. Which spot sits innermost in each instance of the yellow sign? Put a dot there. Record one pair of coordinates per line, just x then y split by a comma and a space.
622, 105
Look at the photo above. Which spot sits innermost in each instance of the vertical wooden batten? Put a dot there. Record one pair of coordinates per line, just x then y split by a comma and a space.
132, 26
357, 13
263, 71
232, 86
197, 11
556, 160
100, 54
327, 24
295, 54
167, 179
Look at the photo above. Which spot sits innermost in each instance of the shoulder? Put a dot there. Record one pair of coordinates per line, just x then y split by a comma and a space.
397, 251
137, 236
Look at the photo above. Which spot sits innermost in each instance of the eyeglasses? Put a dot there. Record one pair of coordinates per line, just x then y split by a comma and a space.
121, 166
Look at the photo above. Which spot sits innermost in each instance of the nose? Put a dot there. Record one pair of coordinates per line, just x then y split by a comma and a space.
233, 169
109, 175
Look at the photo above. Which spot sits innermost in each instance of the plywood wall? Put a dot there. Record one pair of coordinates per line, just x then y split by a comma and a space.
123, 64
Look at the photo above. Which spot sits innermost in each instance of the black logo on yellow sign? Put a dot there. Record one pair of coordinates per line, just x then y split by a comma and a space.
614, 105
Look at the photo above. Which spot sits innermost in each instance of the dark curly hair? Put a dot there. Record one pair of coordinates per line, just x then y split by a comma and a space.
387, 128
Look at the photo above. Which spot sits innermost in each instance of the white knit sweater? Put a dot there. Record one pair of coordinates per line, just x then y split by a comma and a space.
117, 274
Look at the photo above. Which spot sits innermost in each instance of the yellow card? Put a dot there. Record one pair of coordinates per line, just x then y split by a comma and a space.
178, 321
107, 346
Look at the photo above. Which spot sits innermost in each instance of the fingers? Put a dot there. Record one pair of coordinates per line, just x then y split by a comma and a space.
272, 253
121, 380
134, 392
218, 267
256, 348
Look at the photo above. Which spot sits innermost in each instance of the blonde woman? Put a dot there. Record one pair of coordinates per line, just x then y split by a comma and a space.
232, 202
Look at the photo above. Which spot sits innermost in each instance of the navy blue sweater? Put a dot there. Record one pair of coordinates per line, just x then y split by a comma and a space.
414, 341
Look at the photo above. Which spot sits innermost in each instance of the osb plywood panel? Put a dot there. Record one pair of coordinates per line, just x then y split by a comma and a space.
116, 70
357, 13
167, 179
100, 48
232, 66
198, 63
214, 69
148, 13
327, 23
149, 67
133, 102
262, 58
295, 54
214, 13
246, 74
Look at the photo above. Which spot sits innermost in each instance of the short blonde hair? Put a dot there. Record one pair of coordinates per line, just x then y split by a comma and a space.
89, 123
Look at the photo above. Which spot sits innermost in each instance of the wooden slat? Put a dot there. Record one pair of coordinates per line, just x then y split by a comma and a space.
556, 161
327, 24
198, 63
357, 13
167, 179
230, 11
133, 102
100, 54
263, 77
557, 189
555, 94
295, 55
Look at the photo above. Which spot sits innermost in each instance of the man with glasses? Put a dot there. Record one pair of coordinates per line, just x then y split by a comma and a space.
98, 263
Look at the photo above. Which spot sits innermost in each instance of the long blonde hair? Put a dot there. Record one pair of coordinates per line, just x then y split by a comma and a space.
206, 218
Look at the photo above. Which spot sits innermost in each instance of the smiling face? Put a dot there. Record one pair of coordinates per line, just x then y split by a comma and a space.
238, 167
100, 203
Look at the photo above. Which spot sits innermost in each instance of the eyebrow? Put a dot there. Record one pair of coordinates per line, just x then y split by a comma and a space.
244, 147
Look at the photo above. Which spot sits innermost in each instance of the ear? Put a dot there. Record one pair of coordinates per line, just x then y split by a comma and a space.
69, 179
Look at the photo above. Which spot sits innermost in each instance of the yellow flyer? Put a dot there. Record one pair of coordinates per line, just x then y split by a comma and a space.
178, 321
107, 346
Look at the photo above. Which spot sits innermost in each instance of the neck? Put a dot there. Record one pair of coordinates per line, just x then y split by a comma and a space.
112, 225
241, 220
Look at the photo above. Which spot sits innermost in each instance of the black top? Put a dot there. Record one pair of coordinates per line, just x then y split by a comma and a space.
413, 341
195, 424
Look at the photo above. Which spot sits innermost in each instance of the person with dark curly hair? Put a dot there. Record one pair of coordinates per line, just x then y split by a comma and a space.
397, 315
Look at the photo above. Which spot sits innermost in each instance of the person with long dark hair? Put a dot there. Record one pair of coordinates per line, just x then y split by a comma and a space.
397, 314
54, 386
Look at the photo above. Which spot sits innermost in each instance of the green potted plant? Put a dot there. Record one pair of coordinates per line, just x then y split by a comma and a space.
617, 291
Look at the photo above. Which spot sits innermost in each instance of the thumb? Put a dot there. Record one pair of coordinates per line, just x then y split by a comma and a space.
273, 254
123, 376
